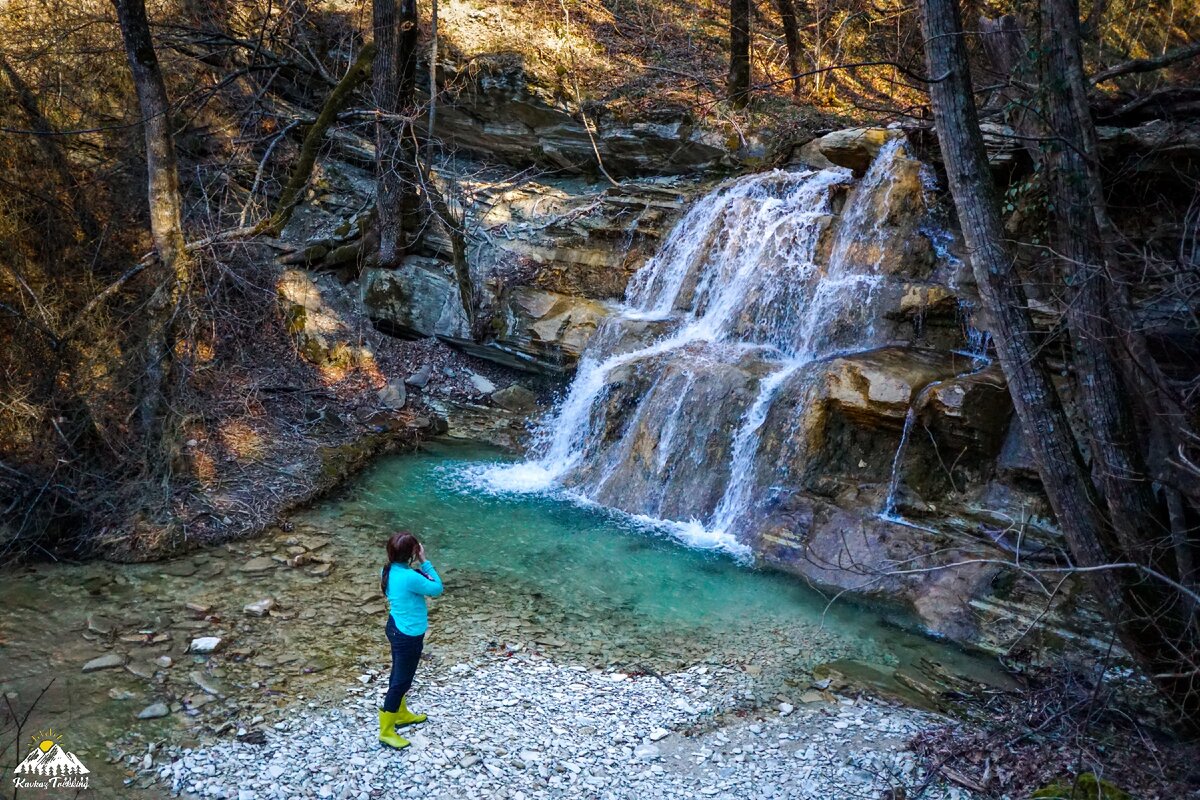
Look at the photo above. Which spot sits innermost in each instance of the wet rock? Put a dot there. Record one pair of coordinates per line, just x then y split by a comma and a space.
164, 661
154, 711
321, 570
121, 694
393, 395
198, 609
206, 644
259, 608
259, 564
516, 398
142, 669
420, 378
99, 625
109, 661
209, 685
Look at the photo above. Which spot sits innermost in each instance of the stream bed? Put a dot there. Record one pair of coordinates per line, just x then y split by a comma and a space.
523, 573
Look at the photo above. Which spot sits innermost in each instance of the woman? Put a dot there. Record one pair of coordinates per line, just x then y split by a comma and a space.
406, 589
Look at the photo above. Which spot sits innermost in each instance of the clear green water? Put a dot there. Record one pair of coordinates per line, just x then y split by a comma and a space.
614, 569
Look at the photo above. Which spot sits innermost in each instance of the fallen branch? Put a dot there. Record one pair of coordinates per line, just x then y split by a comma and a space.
1147, 64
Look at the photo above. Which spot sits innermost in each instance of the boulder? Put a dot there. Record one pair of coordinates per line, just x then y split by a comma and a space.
419, 298
393, 395
854, 148
311, 315
516, 398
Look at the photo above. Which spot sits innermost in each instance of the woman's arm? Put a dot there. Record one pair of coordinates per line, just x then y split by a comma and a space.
428, 584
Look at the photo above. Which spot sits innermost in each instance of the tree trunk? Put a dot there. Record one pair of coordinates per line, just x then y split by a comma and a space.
739, 52
791, 37
394, 83
1127, 410
173, 276
1080, 512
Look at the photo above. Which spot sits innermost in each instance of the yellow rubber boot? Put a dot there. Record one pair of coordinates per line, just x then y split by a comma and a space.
406, 717
387, 731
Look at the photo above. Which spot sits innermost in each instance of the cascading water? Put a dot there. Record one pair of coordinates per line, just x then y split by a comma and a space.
978, 343
665, 415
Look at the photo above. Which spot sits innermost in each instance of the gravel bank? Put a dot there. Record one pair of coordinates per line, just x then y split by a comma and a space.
526, 727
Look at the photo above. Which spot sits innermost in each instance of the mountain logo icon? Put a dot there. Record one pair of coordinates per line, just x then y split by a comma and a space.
49, 760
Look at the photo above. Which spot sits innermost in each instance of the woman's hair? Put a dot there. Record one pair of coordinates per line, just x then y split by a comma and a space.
401, 547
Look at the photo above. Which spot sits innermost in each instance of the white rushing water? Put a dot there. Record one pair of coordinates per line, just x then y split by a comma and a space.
739, 281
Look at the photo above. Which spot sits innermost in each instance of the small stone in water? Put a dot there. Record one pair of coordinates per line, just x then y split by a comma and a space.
260, 564
105, 662
785, 709
260, 608
154, 711
205, 644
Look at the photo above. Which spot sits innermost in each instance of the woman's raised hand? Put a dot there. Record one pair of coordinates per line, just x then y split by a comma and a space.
420, 554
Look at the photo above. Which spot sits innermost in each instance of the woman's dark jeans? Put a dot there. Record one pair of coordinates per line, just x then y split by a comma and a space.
406, 654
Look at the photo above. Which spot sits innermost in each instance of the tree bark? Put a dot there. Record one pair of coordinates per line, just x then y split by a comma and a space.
394, 79
1077, 198
738, 87
791, 38
174, 269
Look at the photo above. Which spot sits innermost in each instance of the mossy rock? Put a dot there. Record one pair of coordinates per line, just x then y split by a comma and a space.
1086, 787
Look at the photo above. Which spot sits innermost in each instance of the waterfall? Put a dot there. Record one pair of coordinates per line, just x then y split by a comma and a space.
665, 415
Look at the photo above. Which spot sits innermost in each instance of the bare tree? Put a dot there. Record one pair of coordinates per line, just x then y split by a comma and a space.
738, 86
174, 269
792, 41
1079, 504
394, 84
791, 38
